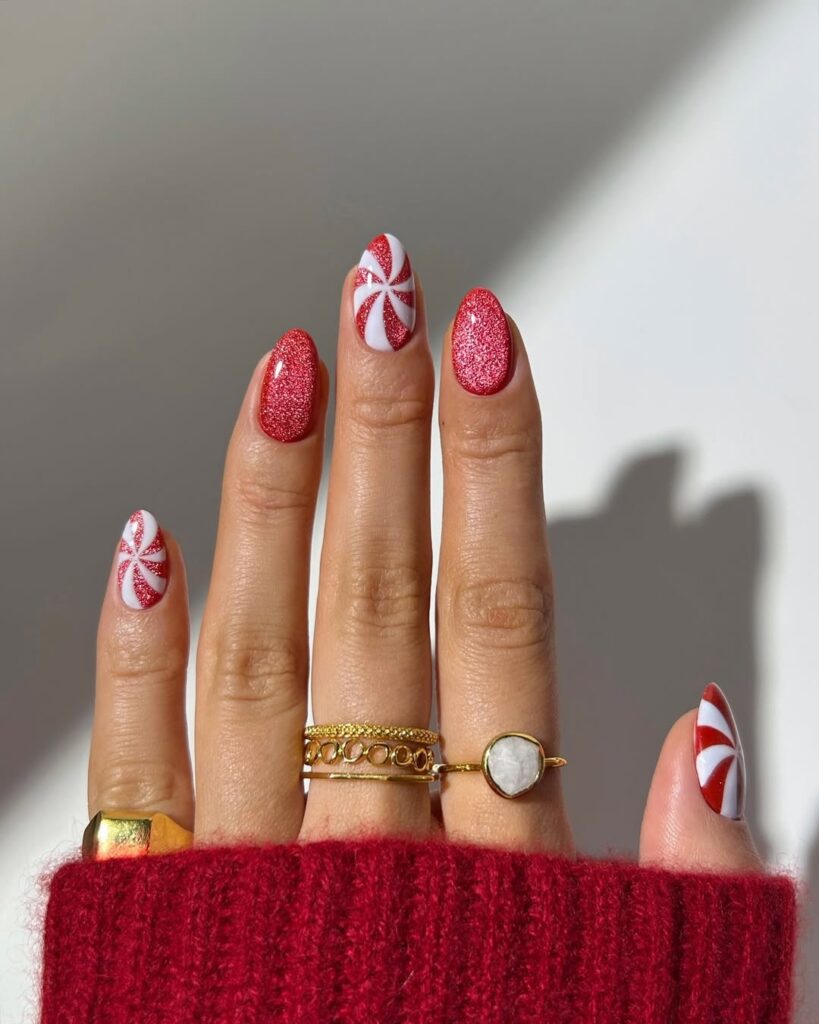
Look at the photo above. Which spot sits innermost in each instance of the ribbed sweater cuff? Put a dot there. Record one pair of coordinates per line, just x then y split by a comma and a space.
391, 931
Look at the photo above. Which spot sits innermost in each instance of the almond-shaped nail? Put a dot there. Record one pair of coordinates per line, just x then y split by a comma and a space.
719, 757
384, 297
481, 343
290, 387
142, 566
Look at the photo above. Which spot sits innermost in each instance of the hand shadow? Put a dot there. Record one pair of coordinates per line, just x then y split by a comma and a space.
652, 604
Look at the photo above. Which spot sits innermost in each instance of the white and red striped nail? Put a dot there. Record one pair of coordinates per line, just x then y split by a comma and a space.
719, 757
384, 298
142, 569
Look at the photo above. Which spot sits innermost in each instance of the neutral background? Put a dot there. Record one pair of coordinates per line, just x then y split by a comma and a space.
179, 183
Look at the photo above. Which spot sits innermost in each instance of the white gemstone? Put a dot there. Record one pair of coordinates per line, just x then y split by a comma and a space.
514, 763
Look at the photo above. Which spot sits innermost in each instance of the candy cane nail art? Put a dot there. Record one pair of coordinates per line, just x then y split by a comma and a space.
384, 299
142, 571
720, 761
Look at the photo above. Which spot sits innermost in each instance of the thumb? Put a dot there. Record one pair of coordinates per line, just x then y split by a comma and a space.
694, 816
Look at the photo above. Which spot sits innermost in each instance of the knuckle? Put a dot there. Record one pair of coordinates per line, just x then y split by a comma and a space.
134, 784
371, 414
263, 671
384, 599
131, 665
511, 613
490, 441
261, 494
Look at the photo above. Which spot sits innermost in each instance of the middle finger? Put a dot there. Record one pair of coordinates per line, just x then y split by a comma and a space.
371, 656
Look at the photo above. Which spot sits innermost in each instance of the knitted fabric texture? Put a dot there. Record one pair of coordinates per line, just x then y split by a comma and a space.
387, 931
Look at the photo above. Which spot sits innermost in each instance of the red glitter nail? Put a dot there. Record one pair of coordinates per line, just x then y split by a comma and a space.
142, 563
481, 343
384, 297
290, 387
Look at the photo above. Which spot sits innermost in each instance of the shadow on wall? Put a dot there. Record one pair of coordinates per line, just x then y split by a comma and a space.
650, 608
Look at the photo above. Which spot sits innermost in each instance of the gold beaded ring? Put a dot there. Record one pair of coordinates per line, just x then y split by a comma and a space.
369, 730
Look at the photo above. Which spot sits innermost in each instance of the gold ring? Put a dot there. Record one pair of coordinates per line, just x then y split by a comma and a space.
340, 746
513, 763
378, 753
112, 834
371, 776
369, 730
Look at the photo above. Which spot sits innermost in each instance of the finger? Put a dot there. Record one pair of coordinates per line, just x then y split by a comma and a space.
372, 658
694, 817
494, 599
252, 660
139, 746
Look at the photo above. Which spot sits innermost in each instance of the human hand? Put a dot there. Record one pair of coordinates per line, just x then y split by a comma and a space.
372, 655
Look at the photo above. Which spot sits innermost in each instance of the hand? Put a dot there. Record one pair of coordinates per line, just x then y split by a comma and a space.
372, 657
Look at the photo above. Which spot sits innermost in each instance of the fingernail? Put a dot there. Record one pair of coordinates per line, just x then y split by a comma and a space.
719, 757
481, 343
384, 297
142, 569
290, 387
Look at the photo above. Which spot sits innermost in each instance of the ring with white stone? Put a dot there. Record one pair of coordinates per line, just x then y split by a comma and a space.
513, 763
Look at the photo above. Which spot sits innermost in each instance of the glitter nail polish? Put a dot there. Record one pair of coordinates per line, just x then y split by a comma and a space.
384, 297
290, 387
142, 563
481, 343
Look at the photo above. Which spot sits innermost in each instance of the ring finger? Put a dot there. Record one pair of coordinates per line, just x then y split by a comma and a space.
494, 600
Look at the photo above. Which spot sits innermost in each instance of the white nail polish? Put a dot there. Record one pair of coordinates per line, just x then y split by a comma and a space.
384, 297
142, 569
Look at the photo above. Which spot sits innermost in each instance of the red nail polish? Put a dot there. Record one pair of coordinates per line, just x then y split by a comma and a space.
142, 563
481, 343
290, 387
384, 297
719, 759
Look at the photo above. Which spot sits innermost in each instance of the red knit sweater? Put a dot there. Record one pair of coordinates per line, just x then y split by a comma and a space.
386, 932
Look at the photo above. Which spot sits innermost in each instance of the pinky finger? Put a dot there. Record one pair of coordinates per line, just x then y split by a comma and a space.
694, 817
139, 749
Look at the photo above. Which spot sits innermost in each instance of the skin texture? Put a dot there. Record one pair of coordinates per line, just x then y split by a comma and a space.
372, 654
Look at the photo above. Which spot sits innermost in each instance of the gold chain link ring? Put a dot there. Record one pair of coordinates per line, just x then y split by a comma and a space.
353, 750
